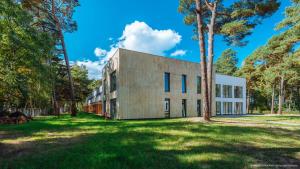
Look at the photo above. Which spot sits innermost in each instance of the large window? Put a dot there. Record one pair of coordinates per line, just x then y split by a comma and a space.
199, 108
113, 108
113, 81
218, 108
167, 81
238, 108
183, 81
198, 84
227, 108
218, 90
238, 92
227, 91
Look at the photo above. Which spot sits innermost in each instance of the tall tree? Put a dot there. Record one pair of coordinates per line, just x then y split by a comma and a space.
56, 17
227, 63
24, 52
232, 21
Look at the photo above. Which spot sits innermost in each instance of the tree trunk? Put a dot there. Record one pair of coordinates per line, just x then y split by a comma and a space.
61, 37
202, 62
210, 53
280, 100
248, 101
273, 98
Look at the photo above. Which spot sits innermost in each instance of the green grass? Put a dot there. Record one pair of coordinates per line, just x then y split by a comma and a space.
89, 141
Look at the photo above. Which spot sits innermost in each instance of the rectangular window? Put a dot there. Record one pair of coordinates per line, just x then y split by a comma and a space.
218, 108
238, 92
113, 81
218, 90
104, 86
227, 108
183, 81
167, 81
198, 84
113, 108
238, 108
167, 107
183, 107
227, 91
199, 108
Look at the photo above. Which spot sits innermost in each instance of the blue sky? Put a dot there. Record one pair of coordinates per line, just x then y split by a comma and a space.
153, 26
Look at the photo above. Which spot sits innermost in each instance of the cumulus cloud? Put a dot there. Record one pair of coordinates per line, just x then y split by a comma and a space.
100, 52
94, 68
178, 53
141, 37
136, 36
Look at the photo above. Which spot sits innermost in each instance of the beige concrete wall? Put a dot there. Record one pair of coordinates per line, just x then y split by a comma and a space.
140, 85
111, 66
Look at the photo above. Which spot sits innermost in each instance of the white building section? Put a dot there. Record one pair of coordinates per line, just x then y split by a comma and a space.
230, 95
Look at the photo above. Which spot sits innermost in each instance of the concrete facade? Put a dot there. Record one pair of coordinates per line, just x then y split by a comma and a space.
140, 93
223, 80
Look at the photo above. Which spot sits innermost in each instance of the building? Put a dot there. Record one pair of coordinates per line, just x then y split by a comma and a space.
230, 95
138, 85
93, 102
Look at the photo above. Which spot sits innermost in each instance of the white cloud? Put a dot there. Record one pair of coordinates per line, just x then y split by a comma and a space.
100, 52
136, 36
178, 53
141, 37
94, 68
110, 38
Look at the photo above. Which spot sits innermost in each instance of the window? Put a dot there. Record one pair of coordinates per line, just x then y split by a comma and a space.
183, 81
238, 109
218, 108
218, 90
183, 107
227, 91
113, 81
227, 108
238, 92
104, 107
167, 81
198, 84
167, 107
113, 108
104, 86
199, 108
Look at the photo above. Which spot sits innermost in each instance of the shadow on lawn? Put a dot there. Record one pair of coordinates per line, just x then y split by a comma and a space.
130, 148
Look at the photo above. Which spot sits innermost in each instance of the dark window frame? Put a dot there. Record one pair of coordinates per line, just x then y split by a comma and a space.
227, 91
218, 107
199, 108
113, 81
183, 83
199, 83
218, 90
238, 92
167, 81
113, 108
184, 108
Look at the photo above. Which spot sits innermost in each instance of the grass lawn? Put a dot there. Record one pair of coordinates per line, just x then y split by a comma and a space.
89, 141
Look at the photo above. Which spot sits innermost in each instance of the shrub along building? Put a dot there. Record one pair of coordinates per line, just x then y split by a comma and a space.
138, 85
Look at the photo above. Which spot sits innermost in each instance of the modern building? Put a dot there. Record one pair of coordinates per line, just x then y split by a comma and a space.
93, 102
138, 85
230, 95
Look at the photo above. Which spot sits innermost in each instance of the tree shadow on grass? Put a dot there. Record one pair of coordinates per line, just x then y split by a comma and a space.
122, 144
131, 149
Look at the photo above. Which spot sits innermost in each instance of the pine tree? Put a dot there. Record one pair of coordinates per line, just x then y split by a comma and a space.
227, 63
234, 22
